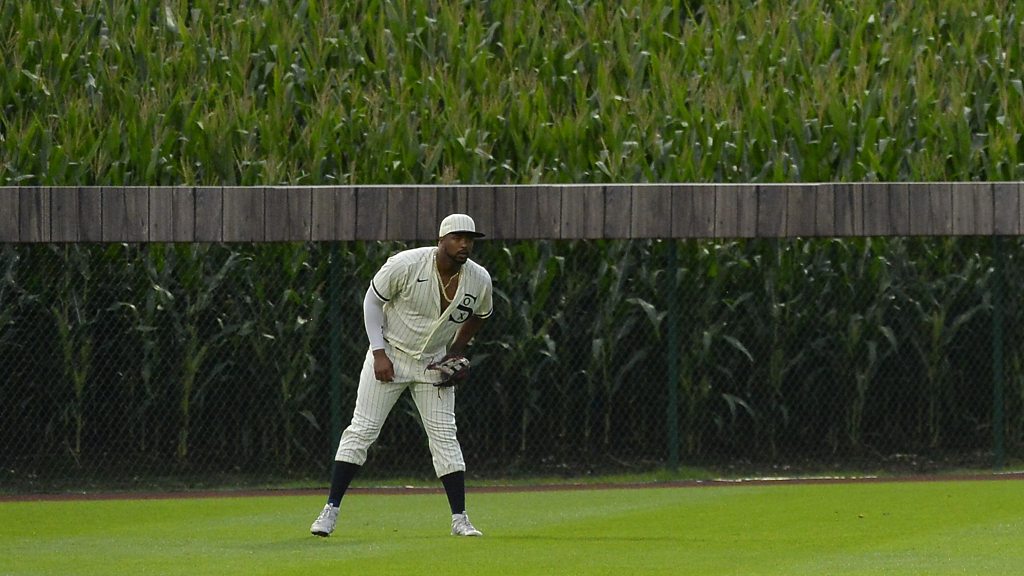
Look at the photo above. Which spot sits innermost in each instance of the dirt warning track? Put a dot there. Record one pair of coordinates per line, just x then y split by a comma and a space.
568, 486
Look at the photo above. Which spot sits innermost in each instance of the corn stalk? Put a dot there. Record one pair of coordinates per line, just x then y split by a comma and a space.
942, 296
74, 319
197, 323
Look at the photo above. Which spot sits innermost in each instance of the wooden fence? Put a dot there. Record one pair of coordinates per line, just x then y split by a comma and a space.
293, 213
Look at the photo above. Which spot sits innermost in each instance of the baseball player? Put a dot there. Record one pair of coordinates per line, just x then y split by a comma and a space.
421, 310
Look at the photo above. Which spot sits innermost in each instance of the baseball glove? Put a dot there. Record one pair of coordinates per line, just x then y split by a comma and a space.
454, 370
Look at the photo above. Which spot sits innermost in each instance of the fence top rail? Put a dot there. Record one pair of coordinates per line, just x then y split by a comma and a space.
62, 214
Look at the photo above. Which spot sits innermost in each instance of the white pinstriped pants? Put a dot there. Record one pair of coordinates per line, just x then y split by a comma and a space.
374, 402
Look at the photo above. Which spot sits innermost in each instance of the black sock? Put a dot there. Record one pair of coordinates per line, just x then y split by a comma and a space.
341, 477
455, 488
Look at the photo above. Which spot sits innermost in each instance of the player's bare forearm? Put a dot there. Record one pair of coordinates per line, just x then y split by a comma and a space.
466, 333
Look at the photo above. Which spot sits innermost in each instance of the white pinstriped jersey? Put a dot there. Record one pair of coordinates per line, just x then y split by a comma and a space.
410, 288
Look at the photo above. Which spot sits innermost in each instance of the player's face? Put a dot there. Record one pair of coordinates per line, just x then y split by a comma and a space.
457, 247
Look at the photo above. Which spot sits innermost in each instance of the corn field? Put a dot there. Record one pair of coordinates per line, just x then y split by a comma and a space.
199, 92
130, 361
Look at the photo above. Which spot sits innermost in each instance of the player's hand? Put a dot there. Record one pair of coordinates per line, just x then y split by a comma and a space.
383, 369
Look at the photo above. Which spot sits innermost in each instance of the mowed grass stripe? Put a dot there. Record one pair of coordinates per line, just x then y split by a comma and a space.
891, 528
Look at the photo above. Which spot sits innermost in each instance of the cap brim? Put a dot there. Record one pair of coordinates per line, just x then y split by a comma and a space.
467, 233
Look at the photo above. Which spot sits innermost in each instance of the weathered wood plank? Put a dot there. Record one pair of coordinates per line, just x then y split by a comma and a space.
403, 213
772, 204
550, 212
538, 212
877, 215
172, 214
65, 216
300, 214
1006, 212
801, 210
504, 213
427, 219
1020, 212
693, 211
652, 211
736, 211
984, 209
963, 209
899, 208
940, 209
450, 200
125, 214
34, 214
825, 210
972, 208
582, 212
90, 210
618, 211
920, 207
209, 223
526, 212
849, 210
334, 213
371, 213
9, 214
244, 214
480, 206
288, 213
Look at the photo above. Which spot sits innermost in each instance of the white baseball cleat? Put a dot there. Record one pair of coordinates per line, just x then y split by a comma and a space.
324, 523
461, 526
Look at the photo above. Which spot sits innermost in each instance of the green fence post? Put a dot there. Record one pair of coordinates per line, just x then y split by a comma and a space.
334, 311
672, 410
998, 447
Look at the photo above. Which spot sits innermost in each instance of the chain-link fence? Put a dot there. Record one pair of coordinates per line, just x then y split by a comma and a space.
122, 363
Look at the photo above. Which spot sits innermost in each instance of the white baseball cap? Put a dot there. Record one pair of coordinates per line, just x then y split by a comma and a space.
458, 223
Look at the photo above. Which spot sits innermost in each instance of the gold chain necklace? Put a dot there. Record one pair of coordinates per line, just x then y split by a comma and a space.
444, 289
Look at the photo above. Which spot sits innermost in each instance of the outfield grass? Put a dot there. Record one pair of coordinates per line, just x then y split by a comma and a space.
934, 528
